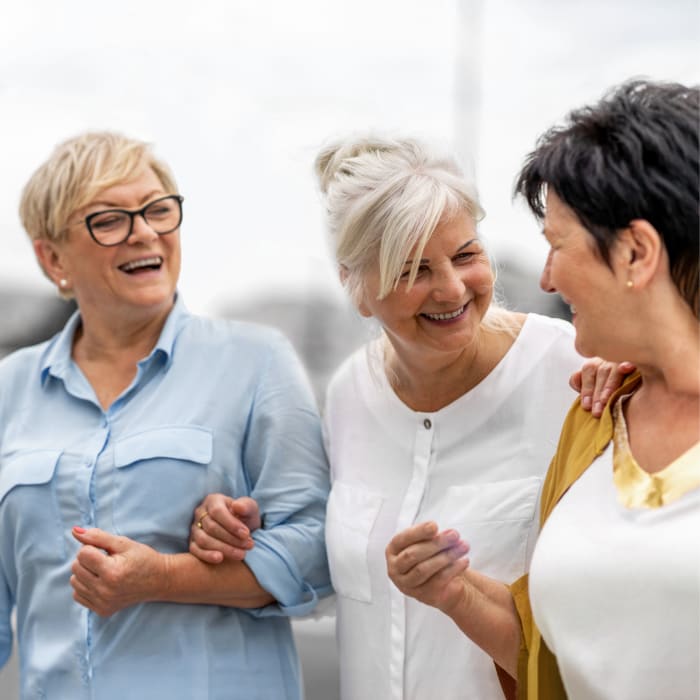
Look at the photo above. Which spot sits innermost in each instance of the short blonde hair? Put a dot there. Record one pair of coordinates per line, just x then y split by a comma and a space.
75, 172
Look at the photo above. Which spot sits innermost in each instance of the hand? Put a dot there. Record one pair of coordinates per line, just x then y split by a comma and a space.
221, 528
428, 565
111, 573
596, 381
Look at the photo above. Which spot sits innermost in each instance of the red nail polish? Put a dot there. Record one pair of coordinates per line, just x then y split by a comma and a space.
79, 530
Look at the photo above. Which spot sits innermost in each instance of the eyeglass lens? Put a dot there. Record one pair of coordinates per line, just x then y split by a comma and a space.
114, 225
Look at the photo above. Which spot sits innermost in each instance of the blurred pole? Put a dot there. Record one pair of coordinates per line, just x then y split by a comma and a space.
468, 71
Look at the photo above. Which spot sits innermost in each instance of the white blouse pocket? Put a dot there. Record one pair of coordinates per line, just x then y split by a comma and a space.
350, 516
499, 520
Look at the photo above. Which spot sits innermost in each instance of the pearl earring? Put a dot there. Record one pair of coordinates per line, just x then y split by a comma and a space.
63, 283
630, 284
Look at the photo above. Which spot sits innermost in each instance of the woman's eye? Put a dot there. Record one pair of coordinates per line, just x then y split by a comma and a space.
160, 211
104, 223
461, 257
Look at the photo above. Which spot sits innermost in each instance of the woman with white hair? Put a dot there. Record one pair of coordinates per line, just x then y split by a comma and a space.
452, 414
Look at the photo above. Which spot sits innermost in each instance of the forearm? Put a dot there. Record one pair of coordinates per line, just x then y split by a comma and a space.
230, 583
487, 615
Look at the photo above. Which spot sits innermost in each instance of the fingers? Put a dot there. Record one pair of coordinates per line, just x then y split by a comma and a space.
405, 538
421, 561
222, 526
247, 510
575, 382
208, 556
90, 559
221, 519
594, 389
597, 380
213, 543
608, 378
592, 371
99, 538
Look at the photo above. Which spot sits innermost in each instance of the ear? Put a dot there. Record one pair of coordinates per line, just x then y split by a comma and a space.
358, 300
640, 252
49, 256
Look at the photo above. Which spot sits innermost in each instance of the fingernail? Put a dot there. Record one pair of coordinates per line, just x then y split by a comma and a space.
79, 530
586, 402
242, 533
598, 408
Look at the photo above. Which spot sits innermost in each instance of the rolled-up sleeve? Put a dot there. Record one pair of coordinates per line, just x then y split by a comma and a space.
286, 464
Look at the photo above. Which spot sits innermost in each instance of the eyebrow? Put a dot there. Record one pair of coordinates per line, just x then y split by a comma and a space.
459, 250
112, 205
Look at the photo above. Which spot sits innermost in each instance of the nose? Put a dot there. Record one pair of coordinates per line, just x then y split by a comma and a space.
545, 278
449, 286
141, 231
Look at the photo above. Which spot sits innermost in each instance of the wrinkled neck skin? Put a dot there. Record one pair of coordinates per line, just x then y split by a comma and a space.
428, 381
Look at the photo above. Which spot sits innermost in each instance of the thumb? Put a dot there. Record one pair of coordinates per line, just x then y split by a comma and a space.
112, 544
243, 507
576, 381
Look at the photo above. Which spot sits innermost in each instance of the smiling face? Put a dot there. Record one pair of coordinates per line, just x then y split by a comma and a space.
576, 270
134, 279
441, 312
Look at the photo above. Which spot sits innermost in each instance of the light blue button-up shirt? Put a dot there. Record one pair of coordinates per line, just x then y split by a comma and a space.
217, 406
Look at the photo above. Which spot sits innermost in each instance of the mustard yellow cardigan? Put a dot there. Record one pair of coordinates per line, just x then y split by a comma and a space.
582, 439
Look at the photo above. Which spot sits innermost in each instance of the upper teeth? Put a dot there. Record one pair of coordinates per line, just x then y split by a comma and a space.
144, 262
445, 317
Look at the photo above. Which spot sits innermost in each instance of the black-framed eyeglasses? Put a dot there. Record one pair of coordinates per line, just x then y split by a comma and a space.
113, 226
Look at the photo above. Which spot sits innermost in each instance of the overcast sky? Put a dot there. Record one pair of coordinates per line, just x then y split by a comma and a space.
239, 95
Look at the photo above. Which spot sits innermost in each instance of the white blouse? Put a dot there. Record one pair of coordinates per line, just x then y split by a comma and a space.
615, 591
476, 466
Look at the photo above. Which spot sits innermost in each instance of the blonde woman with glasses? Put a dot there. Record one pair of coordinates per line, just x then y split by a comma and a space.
111, 433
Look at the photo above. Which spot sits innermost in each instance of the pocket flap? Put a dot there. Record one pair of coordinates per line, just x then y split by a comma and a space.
27, 469
190, 443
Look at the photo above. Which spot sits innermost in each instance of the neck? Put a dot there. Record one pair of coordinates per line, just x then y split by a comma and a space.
668, 358
118, 339
430, 381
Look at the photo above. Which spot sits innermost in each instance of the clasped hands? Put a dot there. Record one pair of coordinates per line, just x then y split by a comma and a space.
112, 572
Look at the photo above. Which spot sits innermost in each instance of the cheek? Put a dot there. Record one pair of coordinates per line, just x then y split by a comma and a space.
481, 279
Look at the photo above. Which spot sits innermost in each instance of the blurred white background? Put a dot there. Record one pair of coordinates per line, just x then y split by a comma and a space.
238, 95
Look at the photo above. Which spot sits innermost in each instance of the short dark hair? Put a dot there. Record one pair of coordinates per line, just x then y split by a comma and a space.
633, 155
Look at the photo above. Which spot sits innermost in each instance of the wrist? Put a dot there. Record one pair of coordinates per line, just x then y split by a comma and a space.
459, 604
165, 575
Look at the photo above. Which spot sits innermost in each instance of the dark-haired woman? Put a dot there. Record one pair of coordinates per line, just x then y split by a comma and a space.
611, 607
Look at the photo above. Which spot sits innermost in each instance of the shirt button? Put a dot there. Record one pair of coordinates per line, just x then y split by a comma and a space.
428, 425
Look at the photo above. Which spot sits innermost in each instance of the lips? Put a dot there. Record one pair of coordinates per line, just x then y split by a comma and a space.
448, 316
151, 263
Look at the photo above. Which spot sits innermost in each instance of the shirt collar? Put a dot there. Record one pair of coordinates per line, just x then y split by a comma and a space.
57, 358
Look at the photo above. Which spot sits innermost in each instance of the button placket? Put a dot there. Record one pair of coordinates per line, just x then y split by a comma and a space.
407, 514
